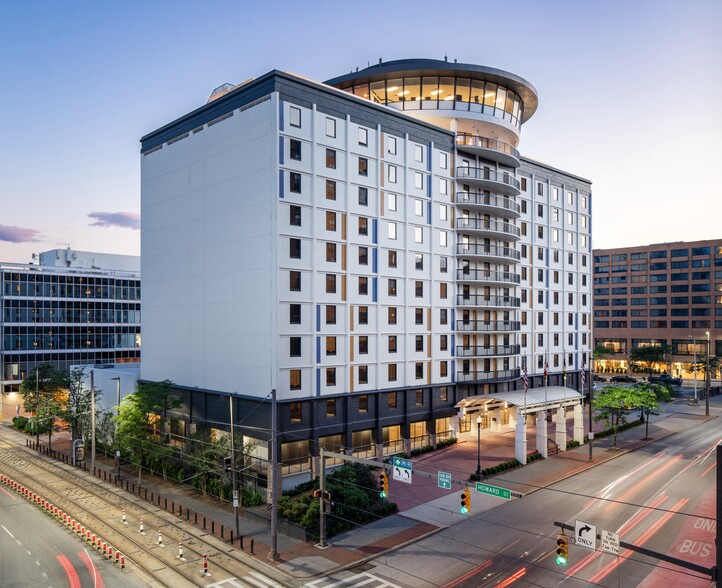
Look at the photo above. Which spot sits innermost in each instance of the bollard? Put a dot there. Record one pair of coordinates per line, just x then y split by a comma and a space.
105, 548
240, 539
205, 564
151, 497
213, 527
133, 487
231, 536
158, 499
82, 531
141, 526
146, 493
110, 553
124, 521
122, 562
93, 540
160, 538
204, 523
196, 518
117, 556
165, 504
87, 535
221, 531
172, 506
180, 551
98, 544
251, 546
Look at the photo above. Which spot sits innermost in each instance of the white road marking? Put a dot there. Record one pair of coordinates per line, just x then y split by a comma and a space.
8, 532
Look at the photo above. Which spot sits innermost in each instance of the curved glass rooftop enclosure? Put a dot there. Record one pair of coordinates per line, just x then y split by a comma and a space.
486, 108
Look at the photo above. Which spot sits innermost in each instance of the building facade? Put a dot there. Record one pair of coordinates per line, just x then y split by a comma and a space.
73, 307
374, 248
663, 294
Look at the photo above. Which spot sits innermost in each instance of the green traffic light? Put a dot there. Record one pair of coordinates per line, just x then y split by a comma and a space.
464, 510
561, 560
382, 494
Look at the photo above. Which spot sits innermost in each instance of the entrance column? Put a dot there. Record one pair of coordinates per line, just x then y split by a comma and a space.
579, 423
520, 442
541, 433
561, 428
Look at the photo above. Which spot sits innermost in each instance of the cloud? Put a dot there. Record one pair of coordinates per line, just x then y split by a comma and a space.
128, 220
18, 234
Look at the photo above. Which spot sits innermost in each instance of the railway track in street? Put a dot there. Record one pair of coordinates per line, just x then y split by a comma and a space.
99, 506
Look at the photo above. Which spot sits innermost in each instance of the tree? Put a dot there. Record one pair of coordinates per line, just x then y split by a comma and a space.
44, 392
649, 356
701, 365
76, 410
648, 399
612, 406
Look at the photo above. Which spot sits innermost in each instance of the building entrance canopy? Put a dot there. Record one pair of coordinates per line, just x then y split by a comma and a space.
535, 400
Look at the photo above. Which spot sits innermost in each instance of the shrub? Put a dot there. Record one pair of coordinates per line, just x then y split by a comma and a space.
19, 422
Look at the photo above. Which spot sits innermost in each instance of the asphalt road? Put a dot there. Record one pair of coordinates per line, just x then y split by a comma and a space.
36, 551
661, 497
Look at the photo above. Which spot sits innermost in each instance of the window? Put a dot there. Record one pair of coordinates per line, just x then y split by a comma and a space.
570, 218
330, 127
392, 258
391, 202
295, 182
418, 207
331, 158
295, 347
443, 264
419, 289
392, 231
443, 316
330, 283
391, 173
444, 343
295, 384
363, 255
443, 160
419, 316
331, 402
443, 239
294, 117
418, 235
443, 187
523, 184
392, 315
392, 377
330, 314
363, 378
331, 252
330, 221
392, 400
443, 291
294, 315
540, 210
294, 215
363, 285
540, 189
330, 190
363, 136
363, 315
393, 342
419, 342
295, 281
363, 196
294, 248
540, 232
363, 225
418, 180
392, 287
363, 166
391, 145
295, 149
363, 345
419, 261
419, 373
570, 198
418, 153
331, 344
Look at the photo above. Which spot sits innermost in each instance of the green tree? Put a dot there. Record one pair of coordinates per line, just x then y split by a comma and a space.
612, 406
648, 398
44, 393
702, 365
76, 410
646, 358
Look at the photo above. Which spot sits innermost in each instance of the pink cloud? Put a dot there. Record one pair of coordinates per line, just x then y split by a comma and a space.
18, 234
128, 220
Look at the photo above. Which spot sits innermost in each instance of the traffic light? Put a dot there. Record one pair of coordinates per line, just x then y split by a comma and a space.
384, 482
562, 549
465, 501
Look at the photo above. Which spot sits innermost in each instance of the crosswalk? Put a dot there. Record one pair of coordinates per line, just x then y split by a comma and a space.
364, 579
250, 580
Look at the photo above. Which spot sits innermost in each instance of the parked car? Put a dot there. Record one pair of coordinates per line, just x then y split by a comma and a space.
625, 379
598, 378
665, 379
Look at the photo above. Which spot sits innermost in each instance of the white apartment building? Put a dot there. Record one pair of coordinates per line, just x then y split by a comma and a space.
369, 247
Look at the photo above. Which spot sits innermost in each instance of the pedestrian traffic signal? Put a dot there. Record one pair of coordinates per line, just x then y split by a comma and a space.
384, 482
562, 549
465, 501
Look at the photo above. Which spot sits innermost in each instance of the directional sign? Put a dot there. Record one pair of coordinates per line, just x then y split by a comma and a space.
585, 535
493, 490
444, 480
402, 470
610, 542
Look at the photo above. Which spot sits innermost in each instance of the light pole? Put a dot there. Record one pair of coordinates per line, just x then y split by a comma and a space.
478, 447
117, 417
694, 347
706, 377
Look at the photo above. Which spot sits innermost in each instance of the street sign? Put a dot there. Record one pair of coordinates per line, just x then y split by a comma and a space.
444, 480
402, 470
235, 499
585, 535
493, 490
610, 542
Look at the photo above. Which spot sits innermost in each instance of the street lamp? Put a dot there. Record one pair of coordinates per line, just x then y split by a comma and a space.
478, 447
694, 347
706, 377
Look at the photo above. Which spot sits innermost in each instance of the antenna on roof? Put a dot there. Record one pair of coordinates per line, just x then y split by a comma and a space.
379, 61
446, 58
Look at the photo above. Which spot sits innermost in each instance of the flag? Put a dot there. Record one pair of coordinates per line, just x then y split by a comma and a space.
546, 373
564, 371
526, 379
584, 377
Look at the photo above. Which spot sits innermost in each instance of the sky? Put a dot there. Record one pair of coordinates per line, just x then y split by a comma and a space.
628, 97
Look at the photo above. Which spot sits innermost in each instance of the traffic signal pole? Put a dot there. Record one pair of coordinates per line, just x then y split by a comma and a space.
322, 511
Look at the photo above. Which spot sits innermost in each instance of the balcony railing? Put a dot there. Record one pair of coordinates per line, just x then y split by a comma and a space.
486, 175
489, 301
499, 375
487, 326
466, 223
482, 275
491, 351
484, 250
477, 142
492, 200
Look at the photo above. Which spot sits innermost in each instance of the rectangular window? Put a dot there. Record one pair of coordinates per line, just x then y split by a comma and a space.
419, 342
392, 231
443, 239
363, 225
331, 404
419, 316
331, 252
418, 180
363, 196
418, 207
443, 291
419, 373
363, 345
540, 210
363, 401
330, 190
523, 184
392, 315
392, 373
419, 261
391, 145
295, 281
330, 127
363, 315
363, 166
294, 215
331, 344
295, 182
392, 400
331, 158
444, 343
363, 285
330, 283
363, 136
391, 174
443, 160
392, 258
418, 153
295, 384
393, 344
295, 149
294, 117
418, 235
330, 221
294, 347
363, 255
330, 314
540, 189
392, 287
443, 187
294, 315
419, 288
444, 265
363, 378
443, 316
391, 202
294, 248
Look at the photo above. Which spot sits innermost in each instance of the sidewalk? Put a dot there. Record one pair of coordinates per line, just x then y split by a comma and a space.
424, 507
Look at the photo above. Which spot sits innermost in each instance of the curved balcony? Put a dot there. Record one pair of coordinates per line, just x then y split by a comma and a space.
491, 228
487, 276
489, 149
491, 351
490, 179
484, 251
487, 326
477, 300
496, 376
499, 205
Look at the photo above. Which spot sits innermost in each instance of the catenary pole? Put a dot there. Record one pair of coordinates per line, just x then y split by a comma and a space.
273, 553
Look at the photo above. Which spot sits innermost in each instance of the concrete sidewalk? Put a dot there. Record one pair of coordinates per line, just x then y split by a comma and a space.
424, 507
